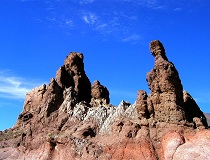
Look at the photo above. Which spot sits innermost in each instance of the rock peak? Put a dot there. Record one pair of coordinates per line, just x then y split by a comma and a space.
166, 102
166, 97
157, 49
73, 74
99, 93
74, 62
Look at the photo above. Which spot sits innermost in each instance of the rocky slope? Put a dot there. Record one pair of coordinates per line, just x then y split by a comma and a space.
70, 119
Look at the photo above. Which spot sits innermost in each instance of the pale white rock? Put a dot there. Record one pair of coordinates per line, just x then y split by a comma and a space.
196, 149
124, 109
70, 101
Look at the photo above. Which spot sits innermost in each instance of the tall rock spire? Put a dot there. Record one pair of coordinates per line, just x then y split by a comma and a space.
166, 97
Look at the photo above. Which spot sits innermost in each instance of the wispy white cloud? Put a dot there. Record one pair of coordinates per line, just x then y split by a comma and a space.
69, 22
178, 9
117, 19
15, 87
109, 21
161, 7
51, 19
132, 38
149, 3
90, 18
144, 3
101, 27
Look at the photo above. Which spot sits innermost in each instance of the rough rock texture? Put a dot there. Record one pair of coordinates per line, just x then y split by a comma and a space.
141, 104
100, 93
196, 147
193, 112
69, 119
75, 67
166, 97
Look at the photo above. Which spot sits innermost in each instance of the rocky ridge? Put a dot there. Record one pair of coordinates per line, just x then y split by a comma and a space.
70, 119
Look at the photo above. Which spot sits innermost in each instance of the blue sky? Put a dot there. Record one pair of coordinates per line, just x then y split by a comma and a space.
113, 35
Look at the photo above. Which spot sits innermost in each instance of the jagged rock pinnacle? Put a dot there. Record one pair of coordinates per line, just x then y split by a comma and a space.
166, 95
73, 74
193, 112
157, 49
99, 93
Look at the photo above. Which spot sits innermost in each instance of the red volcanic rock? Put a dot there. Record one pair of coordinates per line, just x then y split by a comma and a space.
34, 97
166, 97
53, 97
75, 67
69, 119
141, 104
100, 93
193, 112
63, 78
141, 149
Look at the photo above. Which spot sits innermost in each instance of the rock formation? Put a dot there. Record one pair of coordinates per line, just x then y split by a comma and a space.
70, 119
73, 74
166, 97
193, 112
141, 104
100, 93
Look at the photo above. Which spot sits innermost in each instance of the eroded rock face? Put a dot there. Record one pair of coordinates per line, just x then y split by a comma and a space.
69, 119
75, 67
141, 104
166, 97
34, 97
99, 93
193, 112
63, 78
70, 75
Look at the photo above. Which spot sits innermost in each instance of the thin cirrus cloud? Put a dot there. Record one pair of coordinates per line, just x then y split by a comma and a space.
132, 38
90, 18
177, 9
14, 87
106, 22
109, 21
144, 3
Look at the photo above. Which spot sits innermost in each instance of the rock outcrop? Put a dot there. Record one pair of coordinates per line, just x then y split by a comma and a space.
141, 105
99, 93
166, 97
70, 119
73, 74
193, 112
